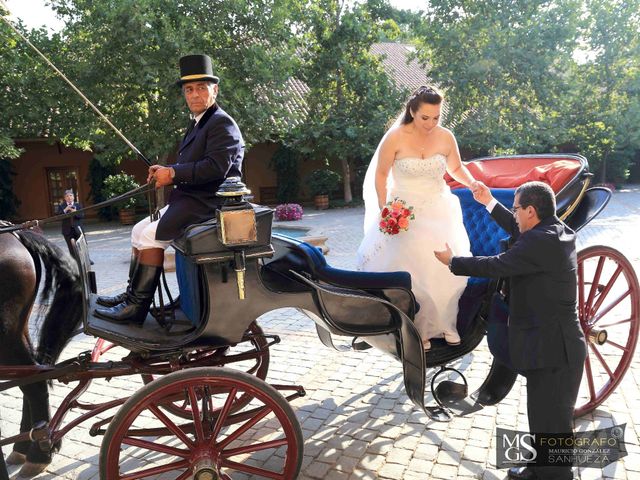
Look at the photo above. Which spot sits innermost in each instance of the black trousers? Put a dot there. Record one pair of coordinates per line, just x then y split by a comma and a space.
551, 399
75, 234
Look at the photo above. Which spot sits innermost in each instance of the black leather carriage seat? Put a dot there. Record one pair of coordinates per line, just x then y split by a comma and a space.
303, 256
308, 260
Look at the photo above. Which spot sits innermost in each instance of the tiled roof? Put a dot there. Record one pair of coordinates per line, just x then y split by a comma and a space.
395, 59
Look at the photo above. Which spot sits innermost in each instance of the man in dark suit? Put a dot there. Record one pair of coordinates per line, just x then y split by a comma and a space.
211, 150
71, 227
546, 342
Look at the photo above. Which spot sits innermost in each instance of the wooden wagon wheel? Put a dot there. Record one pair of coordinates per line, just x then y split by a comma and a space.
263, 440
609, 312
257, 365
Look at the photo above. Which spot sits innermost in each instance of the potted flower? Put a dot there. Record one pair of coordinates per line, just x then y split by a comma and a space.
321, 183
289, 211
118, 184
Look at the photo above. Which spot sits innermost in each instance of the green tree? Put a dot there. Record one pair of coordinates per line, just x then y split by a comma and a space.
502, 67
605, 104
351, 98
123, 55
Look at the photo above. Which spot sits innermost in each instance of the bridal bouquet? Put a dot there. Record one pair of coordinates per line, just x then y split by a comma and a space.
395, 216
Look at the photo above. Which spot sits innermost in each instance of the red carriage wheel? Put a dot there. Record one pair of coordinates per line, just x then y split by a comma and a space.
263, 439
257, 364
609, 312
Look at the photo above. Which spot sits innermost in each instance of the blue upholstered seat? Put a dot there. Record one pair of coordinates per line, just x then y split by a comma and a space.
484, 236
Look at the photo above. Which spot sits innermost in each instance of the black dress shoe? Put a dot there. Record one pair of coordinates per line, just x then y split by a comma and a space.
522, 473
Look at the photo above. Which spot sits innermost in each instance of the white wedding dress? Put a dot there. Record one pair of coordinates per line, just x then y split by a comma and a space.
438, 220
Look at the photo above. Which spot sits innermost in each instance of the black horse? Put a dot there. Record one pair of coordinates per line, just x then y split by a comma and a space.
25, 257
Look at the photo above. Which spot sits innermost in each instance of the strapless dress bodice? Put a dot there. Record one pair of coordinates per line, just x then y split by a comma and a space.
411, 173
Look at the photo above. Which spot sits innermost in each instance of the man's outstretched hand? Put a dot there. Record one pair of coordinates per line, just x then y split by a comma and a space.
444, 255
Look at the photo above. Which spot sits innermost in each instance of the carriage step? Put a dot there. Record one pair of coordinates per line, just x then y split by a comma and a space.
453, 396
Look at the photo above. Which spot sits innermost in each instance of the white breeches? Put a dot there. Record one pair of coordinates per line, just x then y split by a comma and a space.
143, 234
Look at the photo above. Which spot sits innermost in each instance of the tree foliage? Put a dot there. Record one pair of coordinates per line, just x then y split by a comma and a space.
501, 64
351, 97
520, 76
124, 56
526, 76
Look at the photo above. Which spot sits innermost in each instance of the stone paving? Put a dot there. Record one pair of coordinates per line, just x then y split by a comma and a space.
356, 419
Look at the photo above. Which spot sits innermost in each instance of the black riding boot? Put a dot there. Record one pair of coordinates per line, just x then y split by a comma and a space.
136, 306
106, 301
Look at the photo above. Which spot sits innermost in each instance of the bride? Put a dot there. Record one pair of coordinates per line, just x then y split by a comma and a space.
409, 165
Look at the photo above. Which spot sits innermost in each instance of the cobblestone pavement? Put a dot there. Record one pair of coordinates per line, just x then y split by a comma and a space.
356, 419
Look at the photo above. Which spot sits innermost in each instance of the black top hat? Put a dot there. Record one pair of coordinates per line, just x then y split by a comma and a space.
196, 68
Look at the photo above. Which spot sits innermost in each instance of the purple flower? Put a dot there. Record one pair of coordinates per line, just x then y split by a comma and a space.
289, 211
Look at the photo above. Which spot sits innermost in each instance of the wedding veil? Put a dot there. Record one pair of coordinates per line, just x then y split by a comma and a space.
369, 195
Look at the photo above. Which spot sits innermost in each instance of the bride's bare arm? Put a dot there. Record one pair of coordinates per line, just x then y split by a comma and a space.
455, 167
385, 161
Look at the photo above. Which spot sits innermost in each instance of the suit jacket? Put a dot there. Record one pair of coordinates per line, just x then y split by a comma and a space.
69, 224
544, 330
209, 153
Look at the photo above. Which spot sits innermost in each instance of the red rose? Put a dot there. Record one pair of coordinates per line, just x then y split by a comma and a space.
392, 222
385, 212
406, 212
383, 224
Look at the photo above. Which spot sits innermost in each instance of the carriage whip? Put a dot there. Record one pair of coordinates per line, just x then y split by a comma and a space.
77, 90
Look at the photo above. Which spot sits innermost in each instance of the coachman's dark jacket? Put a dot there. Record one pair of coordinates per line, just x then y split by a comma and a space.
212, 151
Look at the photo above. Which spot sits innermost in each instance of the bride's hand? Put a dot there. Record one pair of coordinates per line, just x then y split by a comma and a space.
481, 193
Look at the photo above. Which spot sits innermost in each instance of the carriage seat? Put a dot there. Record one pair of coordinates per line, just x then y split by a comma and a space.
307, 258
511, 173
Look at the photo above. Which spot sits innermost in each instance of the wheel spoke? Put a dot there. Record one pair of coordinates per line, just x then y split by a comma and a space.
589, 373
256, 447
243, 467
594, 285
613, 324
602, 361
611, 306
224, 413
195, 413
156, 447
155, 471
245, 426
617, 345
171, 426
606, 290
185, 475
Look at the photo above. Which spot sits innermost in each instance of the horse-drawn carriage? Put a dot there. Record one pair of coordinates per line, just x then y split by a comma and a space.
206, 411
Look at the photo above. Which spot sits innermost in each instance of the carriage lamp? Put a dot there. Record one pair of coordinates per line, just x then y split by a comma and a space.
236, 225
236, 218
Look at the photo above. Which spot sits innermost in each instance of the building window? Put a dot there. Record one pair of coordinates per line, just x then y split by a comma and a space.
59, 180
